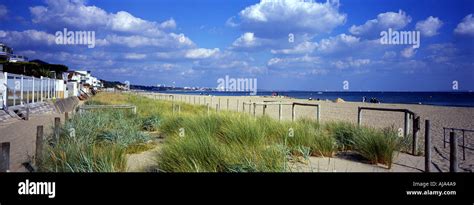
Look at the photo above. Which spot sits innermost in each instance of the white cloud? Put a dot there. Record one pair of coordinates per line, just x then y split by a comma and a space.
304, 47
466, 27
297, 66
277, 18
337, 43
429, 27
124, 21
168, 41
200, 53
351, 63
408, 52
135, 56
303, 61
73, 13
384, 21
169, 24
248, 41
27, 38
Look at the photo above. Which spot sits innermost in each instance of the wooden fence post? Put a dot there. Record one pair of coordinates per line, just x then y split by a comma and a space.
427, 147
405, 130
359, 116
39, 142
254, 108
318, 116
279, 111
453, 152
5, 157
27, 112
57, 124
293, 112
416, 127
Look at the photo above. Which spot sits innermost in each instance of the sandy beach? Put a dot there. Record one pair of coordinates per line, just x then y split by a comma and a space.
439, 116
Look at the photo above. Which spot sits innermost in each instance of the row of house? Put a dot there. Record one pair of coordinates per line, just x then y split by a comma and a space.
73, 83
81, 81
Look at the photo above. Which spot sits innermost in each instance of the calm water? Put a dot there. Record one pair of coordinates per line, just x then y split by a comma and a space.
462, 99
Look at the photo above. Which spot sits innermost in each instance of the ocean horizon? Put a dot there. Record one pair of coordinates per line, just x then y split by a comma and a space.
438, 98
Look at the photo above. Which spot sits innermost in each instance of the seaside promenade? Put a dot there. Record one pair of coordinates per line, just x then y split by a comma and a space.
22, 137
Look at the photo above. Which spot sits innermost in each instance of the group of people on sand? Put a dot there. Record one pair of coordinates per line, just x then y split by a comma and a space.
372, 100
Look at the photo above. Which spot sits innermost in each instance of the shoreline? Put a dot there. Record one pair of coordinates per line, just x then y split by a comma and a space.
322, 98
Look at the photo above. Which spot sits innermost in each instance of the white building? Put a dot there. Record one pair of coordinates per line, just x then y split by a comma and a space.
82, 81
17, 58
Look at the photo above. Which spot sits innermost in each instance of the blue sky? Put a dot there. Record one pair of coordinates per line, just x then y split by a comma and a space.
193, 43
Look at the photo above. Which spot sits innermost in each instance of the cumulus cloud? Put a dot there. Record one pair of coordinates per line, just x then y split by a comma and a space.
124, 21
72, 13
384, 21
76, 14
429, 27
278, 18
200, 53
304, 47
337, 43
466, 26
27, 38
295, 62
248, 41
351, 63
169, 24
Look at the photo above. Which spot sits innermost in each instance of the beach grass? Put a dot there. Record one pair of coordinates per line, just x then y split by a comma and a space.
377, 146
94, 141
198, 141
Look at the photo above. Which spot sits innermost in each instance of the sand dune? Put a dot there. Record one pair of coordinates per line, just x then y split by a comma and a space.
439, 116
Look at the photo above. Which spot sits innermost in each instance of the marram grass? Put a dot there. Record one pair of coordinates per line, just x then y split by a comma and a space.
200, 142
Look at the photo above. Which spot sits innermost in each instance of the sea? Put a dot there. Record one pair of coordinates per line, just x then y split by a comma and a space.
457, 99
